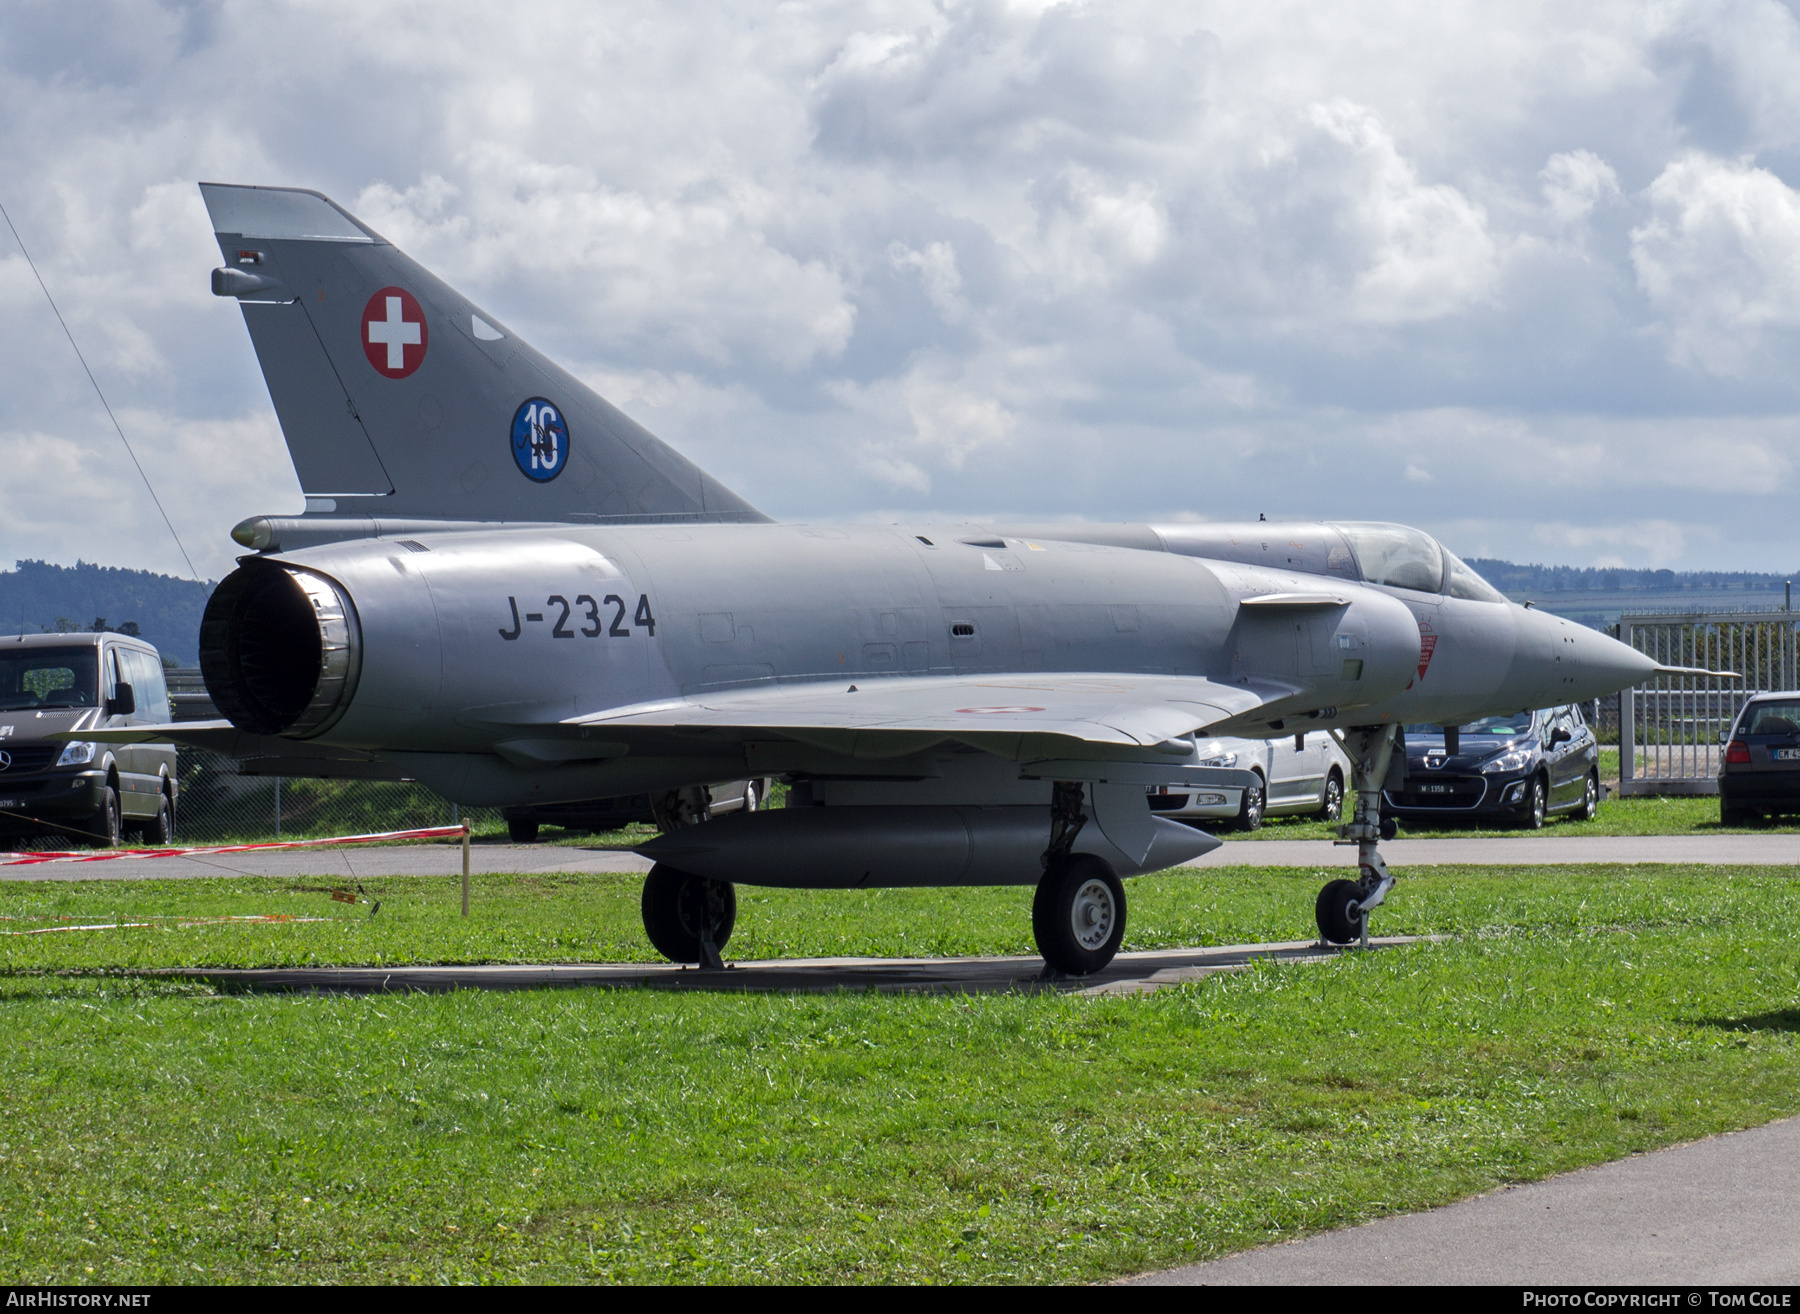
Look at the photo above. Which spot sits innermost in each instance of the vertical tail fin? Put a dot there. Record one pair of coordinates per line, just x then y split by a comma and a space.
401, 399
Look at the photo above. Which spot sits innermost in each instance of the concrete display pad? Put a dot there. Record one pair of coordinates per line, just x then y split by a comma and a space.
1130, 973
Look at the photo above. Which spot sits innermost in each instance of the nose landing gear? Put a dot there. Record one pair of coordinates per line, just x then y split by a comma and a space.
1343, 907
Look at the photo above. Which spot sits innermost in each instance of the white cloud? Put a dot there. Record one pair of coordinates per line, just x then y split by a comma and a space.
1423, 249
1719, 258
1574, 182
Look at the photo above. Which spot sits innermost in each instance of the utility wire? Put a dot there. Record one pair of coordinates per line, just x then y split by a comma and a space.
117, 428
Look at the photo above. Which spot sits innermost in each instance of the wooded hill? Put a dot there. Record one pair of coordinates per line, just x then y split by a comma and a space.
37, 597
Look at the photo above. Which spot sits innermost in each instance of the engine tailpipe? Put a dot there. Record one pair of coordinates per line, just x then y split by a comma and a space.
851, 848
280, 650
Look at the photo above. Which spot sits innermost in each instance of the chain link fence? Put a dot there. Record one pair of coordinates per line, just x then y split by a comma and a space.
218, 805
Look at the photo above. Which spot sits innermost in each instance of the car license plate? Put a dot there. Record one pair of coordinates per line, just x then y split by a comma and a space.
1787, 755
1434, 789
12, 802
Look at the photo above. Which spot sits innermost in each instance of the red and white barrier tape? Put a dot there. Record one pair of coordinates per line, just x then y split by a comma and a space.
111, 855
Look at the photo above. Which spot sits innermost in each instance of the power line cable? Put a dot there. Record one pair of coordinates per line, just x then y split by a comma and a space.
117, 428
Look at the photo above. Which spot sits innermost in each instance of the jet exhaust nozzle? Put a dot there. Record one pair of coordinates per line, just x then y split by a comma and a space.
280, 650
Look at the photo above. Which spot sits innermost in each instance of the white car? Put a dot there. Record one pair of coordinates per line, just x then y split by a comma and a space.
1299, 775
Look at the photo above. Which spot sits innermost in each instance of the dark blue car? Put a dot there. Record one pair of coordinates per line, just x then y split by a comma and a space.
1521, 769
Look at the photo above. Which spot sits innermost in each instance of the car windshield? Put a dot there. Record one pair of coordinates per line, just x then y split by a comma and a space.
47, 677
1772, 718
1517, 723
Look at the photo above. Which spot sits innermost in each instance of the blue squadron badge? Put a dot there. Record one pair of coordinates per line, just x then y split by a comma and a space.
540, 440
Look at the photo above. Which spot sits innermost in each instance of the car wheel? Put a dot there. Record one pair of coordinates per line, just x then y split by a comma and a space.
1078, 915
521, 831
751, 801
1332, 808
1250, 811
1590, 799
1732, 815
103, 825
1535, 804
159, 831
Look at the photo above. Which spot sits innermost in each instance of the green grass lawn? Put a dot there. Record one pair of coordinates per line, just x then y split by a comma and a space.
162, 1131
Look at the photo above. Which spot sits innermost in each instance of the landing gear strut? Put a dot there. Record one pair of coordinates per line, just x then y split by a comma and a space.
1343, 907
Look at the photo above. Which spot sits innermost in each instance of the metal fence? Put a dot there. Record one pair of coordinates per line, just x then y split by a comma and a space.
218, 805
1670, 729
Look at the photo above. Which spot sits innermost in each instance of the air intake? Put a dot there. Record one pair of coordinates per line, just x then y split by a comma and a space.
280, 650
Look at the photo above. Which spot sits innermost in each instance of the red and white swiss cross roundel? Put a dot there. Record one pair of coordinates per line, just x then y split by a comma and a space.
394, 335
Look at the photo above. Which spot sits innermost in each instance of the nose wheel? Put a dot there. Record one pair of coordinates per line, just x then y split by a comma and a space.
1078, 916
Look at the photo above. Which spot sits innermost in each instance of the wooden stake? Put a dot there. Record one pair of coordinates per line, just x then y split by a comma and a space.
465, 868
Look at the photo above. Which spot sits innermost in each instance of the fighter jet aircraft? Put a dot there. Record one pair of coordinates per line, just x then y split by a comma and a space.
506, 589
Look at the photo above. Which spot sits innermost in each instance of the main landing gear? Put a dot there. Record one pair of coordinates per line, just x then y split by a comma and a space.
1343, 907
1078, 915
688, 918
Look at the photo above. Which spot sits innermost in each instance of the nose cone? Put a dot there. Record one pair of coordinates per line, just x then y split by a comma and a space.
1607, 666
1558, 661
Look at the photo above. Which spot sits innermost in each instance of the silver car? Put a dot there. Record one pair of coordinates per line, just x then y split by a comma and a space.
1301, 775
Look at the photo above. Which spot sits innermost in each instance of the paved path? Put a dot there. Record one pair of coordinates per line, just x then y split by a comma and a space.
1723, 1211
446, 859
1130, 973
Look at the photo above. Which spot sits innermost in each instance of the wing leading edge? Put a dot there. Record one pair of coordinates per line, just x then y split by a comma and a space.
1115, 714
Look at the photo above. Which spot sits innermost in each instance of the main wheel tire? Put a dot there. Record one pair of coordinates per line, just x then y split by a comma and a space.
1536, 804
1732, 815
674, 904
752, 799
104, 825
1250, 809
1078, 915
1332, 807
1590, 799
1338, 923
521, 831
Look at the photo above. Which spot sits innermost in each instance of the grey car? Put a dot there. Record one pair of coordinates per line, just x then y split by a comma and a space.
84, 792
1759, 772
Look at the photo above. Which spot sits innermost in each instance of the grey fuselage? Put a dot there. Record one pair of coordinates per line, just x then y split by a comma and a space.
467, 636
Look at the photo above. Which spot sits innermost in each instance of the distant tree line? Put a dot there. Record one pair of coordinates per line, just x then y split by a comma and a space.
1511, 578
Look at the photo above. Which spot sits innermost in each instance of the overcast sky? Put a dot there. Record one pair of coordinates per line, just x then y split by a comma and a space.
1525, 275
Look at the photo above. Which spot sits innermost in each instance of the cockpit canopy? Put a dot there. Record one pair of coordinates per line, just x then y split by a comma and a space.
1406, 558
1395, 555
